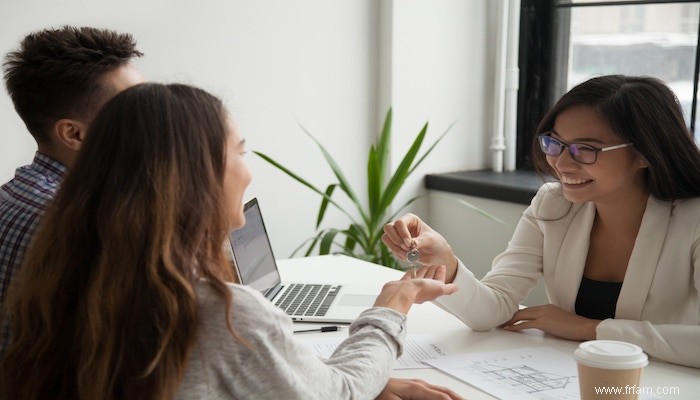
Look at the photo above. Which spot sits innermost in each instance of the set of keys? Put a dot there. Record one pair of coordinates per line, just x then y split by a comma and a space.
412, 256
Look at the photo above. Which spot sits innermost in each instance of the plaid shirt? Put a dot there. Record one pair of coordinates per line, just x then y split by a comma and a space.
22, 202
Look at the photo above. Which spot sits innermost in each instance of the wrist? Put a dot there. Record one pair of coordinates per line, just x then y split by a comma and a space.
592, 335
451, 264
397, 295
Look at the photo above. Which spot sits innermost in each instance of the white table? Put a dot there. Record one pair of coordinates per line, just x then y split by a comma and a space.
428, 318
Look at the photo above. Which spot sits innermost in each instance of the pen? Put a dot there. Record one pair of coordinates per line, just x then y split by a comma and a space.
330, 328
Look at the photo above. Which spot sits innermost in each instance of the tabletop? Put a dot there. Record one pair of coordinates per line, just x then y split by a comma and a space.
667, 381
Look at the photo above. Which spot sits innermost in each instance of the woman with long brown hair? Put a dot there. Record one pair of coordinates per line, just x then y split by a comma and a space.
126, 294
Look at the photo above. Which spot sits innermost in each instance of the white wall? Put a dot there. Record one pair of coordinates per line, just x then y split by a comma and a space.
333, 65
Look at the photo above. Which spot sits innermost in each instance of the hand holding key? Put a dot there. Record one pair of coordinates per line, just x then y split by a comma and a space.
409, 233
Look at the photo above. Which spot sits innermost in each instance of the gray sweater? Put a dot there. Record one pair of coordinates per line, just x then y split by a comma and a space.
273, 365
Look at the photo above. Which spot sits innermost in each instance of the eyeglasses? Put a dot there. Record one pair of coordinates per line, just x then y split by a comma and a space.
581, 153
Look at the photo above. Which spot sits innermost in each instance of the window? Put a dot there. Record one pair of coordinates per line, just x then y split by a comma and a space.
564, 42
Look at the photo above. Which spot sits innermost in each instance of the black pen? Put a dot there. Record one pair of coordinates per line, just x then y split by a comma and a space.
330, 328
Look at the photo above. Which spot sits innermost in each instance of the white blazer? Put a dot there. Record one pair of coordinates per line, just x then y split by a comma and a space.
659, 305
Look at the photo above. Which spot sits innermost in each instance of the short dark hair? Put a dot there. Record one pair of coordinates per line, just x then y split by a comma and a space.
56, 73
644, 111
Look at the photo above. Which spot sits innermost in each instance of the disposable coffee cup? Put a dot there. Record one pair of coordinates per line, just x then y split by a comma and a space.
609, 369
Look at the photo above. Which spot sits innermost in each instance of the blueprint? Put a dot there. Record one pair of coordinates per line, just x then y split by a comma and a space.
540, 373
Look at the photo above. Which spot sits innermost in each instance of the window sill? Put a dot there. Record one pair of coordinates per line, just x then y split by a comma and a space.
512, 186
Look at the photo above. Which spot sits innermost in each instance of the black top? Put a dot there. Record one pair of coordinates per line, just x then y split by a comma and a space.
597, 299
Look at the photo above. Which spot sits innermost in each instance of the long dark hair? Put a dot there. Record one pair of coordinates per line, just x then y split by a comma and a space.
644, 111
104, 306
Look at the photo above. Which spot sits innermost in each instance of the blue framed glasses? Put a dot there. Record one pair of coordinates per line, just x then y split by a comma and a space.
581, 153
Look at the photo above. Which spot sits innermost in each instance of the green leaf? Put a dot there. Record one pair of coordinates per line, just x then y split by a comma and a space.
358, 235
315, 240
342, 181
383, 145
402, 171
327, 241
296, 250
387, 259
324, 204
400, 209
430, 149
377, 166
302, 181
472, 207
374, 180
350, 243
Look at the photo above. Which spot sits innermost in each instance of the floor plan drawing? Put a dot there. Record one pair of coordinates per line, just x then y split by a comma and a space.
524, 378
530, 373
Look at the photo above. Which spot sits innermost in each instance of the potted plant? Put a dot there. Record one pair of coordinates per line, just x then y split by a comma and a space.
362, 237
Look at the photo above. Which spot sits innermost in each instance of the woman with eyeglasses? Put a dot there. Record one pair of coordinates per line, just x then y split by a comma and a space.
615, 236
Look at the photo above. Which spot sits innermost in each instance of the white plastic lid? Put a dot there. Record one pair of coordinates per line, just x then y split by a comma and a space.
610, 354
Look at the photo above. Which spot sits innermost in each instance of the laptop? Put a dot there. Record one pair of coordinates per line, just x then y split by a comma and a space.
307, 302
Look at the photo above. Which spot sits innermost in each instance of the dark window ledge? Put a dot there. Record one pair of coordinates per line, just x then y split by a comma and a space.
512, 186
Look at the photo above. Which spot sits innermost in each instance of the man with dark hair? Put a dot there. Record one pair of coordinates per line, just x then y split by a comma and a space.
58, 79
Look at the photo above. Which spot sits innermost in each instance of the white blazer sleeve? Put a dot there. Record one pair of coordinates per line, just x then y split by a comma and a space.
492, 301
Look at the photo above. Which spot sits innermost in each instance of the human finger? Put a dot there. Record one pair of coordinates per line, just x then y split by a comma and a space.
440, 273
430, 290
521, 315
405, 239
417, 389
522, 325
420, 389
428, 272
395, 240
423, 272
435, 392
435, 272
393, 247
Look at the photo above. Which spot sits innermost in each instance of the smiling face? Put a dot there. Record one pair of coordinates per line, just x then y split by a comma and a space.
615, 175
237, 176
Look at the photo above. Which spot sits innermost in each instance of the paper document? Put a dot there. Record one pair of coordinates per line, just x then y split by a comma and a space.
416, 349
518, 374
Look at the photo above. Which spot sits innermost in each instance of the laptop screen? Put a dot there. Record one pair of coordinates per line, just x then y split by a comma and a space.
252, 252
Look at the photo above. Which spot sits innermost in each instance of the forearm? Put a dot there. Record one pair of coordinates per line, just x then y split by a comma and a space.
480, 307
358, 368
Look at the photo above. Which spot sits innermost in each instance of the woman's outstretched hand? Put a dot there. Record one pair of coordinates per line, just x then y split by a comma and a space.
410, 232
402, 294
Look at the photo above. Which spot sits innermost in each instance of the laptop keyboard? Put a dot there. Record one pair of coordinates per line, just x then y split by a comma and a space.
308, 299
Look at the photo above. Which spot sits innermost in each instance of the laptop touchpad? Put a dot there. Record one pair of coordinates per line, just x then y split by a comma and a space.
357, 300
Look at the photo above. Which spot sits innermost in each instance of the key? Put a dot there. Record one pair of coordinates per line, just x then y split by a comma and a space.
413, 256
